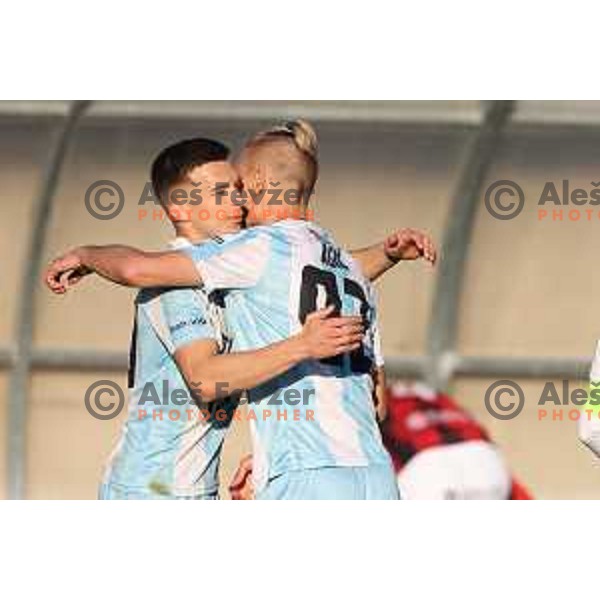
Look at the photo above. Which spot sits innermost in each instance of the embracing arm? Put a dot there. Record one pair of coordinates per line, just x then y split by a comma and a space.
123, 265
379, 393
235, 265
404, 244
135, 268
373, 261
218, 375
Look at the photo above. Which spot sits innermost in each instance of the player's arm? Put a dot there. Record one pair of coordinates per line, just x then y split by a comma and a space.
233, 265
377, 370
322, 336
404, 244
379, 393
123, 265
241, 487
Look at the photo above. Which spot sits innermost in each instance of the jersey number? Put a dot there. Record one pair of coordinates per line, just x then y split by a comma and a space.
314, 278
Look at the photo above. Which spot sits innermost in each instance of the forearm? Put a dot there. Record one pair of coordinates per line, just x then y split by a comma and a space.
373, 261
379, 393
135, 268
114, 262
221, 374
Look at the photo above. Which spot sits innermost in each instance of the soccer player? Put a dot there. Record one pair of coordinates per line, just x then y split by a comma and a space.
275, 276
440, 452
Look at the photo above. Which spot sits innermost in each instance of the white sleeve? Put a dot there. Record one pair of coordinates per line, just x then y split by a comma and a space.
239, 262
588, 432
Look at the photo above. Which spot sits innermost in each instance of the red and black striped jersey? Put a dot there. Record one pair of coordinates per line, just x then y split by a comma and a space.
419, 418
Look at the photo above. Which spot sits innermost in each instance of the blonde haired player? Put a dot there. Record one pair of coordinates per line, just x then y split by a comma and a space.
274, 275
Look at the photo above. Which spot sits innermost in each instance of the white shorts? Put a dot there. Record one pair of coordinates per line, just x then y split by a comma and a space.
375, 482
464, 471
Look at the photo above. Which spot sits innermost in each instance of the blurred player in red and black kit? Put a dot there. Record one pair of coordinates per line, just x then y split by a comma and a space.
439, 450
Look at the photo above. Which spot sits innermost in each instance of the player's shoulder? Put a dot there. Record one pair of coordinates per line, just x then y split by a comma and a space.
148, 298
298, 232
244, 238
259, 240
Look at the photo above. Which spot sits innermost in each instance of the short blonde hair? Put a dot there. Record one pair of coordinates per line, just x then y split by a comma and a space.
300, 135
299, 131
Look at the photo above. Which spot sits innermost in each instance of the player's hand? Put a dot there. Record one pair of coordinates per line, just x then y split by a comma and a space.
324, 336
65, 271
241, 487
410, 244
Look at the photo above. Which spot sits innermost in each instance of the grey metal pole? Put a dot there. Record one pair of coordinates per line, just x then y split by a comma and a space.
441, 336
19, 380
80, 360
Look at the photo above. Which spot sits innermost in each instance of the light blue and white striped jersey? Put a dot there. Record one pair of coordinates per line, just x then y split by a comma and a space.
169, 447
320, 413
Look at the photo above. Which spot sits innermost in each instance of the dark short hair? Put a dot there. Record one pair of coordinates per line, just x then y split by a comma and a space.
172, 163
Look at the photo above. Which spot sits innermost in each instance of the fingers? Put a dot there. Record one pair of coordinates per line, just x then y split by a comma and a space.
340, 340
430, 251
329, 336
350, 337
71, 277
337, 328
425, 245
321, 314
54, 276
239, 481
397, 244
52, 280
392, 242
246, 463
243, 471
66, 277
343, 336
340, 347
423, 242
418, 240
324, 314
60, 282
357, 329
409, 244
240, 487
352, 320
348, 348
